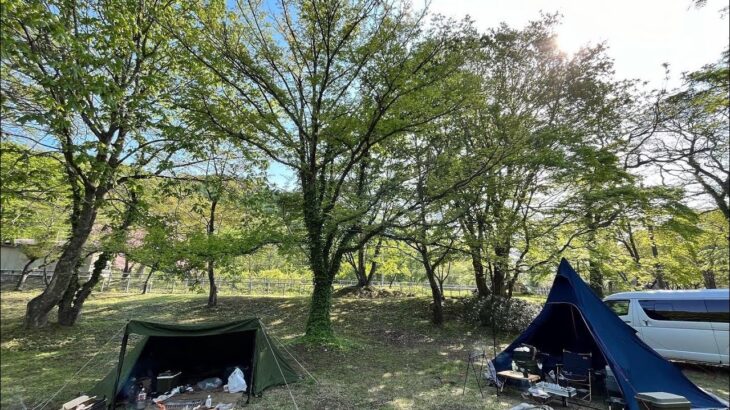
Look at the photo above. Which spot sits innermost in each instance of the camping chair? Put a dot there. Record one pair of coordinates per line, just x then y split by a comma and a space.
576, 370
525, 358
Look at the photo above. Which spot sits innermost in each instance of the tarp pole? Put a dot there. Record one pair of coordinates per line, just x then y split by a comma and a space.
119, 368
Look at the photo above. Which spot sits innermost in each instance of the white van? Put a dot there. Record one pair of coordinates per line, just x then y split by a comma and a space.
686, 325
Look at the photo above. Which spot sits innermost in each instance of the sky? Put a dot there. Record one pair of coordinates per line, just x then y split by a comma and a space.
641, 34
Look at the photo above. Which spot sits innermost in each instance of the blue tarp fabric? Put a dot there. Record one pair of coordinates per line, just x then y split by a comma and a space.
575, 319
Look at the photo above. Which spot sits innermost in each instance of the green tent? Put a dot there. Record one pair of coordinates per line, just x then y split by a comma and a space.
198, 351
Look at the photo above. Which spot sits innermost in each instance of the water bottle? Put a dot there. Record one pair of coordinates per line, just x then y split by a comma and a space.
142, 399
209, 402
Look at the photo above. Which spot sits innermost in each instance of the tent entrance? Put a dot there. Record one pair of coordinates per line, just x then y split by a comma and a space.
565, 328
197, 357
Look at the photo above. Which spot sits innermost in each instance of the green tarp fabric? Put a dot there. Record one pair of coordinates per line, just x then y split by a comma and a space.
270, 368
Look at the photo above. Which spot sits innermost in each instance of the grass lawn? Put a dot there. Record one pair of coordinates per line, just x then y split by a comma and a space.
390, 355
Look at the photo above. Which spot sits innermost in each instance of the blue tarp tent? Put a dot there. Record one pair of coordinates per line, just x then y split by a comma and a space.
574, 318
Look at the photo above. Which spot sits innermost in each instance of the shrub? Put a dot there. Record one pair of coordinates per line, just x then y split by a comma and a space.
510, 315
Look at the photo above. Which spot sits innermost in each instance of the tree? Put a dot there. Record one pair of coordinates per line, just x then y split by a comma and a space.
318, 86
691, 143
542, 117
209, 215
225, 175
365, 261
428, 228
656, 215
90, 76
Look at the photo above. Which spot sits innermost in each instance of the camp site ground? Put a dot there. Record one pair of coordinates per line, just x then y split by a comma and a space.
381, 360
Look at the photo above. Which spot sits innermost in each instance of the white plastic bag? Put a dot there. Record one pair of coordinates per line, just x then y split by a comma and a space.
236, 382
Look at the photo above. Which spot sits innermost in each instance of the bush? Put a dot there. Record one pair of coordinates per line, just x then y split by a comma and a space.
510, 315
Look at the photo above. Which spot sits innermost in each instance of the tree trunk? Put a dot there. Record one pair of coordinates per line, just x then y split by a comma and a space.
441, 288
365, 276
436, 294
68, 297
511, 284
147, 281
362, 277
69, 310
324, 267
709, 278
479, 278
24, 274
595, 278
438, 308
213, 292
658, 268
38, 308
213, 289
45, 277
319, 325
127, 271
501, 265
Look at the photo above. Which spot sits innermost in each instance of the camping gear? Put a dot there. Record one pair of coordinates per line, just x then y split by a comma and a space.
236, 381
573, 318
528, 406
210, 383
661, 400
141, 399
198, 350
524, 358
81, 401
183, 404
475, 365
553, 389
576, 370
168, 380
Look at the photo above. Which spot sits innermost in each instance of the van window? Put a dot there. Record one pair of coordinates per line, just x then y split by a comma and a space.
620, 307
718, 310
686, 310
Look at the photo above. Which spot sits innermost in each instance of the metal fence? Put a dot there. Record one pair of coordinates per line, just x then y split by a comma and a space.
237, 286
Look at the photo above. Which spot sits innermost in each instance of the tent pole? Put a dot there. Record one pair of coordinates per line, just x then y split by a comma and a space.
119, 368
253, 365
494, 336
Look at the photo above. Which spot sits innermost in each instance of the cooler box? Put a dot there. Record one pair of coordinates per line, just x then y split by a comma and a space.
167, 381
661, 400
